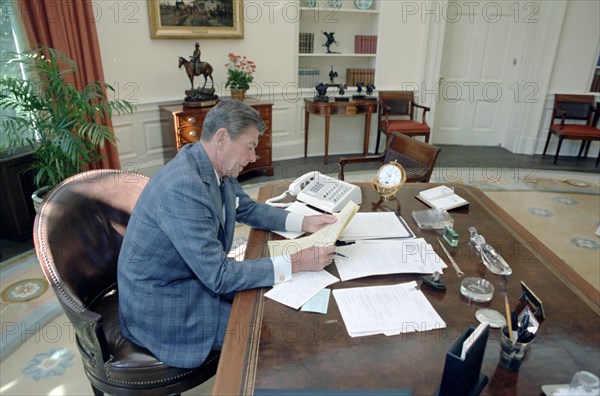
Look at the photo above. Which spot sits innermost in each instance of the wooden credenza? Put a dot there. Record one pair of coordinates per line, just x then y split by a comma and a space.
187, 127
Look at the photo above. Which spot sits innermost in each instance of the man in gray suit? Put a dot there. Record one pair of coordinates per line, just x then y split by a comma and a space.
174, 278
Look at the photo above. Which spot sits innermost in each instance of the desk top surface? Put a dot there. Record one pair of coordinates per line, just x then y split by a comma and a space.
270, 346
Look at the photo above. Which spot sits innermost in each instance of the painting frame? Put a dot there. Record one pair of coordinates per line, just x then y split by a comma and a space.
160, 31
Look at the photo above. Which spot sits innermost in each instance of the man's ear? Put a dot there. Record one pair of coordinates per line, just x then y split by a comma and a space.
221, 137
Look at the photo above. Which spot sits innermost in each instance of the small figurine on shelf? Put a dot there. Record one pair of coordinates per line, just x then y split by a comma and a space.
359, 88
332, 74
321, 93
330, 40
370, 89
341, 91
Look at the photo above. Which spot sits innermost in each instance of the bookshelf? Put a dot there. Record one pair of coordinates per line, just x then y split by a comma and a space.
345, 22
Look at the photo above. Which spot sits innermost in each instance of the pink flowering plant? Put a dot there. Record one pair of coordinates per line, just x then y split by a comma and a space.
239, 72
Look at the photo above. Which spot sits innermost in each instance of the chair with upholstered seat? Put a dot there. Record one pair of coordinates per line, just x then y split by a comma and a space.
574, 108
398, 113
78, 235
416, 157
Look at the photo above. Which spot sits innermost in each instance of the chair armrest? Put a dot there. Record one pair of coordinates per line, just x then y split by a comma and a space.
562, 114
356, 160
421, 107
384, 111
425, 110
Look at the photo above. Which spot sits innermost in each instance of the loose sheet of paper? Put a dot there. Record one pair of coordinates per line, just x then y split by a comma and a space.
325, 236
318, 303
390, 310
366, 258
303, 286
373, 225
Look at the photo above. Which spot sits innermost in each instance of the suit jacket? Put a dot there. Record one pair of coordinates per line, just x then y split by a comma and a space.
173, 271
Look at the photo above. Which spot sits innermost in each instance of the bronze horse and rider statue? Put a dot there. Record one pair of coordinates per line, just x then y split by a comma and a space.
197, 69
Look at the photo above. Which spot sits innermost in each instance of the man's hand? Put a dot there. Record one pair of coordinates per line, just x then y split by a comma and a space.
316, 222
312, 259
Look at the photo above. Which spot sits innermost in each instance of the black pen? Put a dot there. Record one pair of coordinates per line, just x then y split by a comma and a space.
340, 254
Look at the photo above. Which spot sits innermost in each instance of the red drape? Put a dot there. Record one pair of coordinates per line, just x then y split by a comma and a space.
69, 26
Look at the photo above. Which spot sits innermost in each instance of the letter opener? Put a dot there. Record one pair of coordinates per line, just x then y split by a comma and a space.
456, 267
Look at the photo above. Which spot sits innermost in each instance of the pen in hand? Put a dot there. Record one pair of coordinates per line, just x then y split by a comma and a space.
339, 254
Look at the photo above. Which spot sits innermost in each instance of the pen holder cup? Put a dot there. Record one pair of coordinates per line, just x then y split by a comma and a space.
512, 353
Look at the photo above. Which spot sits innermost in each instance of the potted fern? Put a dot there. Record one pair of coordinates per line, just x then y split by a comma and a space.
60, 123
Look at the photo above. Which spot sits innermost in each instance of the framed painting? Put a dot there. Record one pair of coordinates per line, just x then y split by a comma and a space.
191, 19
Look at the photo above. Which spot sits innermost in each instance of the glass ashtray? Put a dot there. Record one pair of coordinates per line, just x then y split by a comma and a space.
477, 289
432, 219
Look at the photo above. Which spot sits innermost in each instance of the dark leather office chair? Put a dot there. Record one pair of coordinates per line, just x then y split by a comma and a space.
571, 108
398, 113
418, 158
78, 234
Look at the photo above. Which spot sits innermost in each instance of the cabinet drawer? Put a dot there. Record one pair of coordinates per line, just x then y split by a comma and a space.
189, 135
191, 120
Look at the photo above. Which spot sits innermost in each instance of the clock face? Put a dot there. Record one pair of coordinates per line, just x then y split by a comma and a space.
389, 175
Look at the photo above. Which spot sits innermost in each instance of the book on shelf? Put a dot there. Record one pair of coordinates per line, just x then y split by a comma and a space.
365, 44
442, 197
365, 76
308, 77
306, 43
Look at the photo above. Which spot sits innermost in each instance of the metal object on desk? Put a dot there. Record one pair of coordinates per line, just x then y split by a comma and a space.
456, 267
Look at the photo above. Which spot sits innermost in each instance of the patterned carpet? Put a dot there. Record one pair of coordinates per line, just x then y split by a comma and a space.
39, 356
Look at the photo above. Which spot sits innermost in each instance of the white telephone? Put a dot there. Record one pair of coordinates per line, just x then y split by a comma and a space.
322, 192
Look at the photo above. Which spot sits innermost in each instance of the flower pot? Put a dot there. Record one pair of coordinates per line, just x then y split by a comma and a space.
238, 94
38, 197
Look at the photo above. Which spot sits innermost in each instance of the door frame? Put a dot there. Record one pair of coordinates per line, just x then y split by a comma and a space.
537, 60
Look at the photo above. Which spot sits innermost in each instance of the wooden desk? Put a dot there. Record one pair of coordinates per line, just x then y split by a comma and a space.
269, 345
327, 109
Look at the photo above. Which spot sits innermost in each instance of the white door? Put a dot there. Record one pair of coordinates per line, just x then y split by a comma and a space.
478, 83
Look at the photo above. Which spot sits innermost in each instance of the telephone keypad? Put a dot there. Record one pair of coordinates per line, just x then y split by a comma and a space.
332, 194
328, 194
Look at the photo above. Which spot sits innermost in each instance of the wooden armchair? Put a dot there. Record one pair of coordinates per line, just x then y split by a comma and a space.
418, 158
398, 113
574, 108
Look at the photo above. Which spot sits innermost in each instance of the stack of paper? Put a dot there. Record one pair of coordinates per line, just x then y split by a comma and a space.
367, 258
390, 310
376, 225
303, 287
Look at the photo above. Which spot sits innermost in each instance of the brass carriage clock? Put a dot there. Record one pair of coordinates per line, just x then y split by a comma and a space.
390, 177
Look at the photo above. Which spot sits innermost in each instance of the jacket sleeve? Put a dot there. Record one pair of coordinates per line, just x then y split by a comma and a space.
257, 214
188, 216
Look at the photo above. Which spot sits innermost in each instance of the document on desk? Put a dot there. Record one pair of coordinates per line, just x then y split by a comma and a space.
376, 225
324, 237
391, 310
303, 286
367, 258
